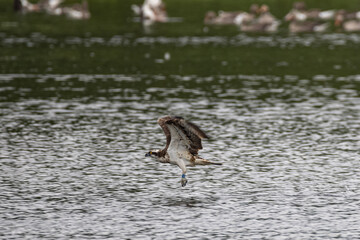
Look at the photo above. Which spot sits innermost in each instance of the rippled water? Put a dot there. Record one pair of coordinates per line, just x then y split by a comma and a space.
241, 39
79, 103
72, 157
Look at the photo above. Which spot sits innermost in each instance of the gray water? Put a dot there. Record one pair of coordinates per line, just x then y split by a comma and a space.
72, 157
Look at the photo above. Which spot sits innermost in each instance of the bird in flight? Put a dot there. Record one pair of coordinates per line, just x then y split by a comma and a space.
183, 141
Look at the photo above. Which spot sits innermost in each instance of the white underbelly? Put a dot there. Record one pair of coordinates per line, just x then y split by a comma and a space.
184, 156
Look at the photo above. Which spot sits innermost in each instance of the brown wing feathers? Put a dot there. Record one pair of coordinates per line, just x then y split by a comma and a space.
191, 131
162, 123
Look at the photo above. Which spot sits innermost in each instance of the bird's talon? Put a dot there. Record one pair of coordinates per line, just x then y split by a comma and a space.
183, 182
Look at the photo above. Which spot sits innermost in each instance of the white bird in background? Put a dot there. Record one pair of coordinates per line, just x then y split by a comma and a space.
25, 6
77, 11
52, 7
183, 141
151, 10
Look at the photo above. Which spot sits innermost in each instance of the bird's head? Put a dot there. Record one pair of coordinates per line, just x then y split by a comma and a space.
254, 8
264, 9
209, 17
339, 18
153, 154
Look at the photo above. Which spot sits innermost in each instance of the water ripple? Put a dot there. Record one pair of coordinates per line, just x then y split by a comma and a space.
279, 41
72, 157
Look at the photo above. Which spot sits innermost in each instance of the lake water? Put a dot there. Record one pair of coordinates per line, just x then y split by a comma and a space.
78, 113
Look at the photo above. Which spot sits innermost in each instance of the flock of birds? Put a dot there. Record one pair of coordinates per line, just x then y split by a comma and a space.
260, 19
257, 19
54, 7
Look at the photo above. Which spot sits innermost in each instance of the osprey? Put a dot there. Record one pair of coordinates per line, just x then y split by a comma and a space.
183, 141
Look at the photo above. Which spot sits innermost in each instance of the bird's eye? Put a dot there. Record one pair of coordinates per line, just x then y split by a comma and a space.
150, 152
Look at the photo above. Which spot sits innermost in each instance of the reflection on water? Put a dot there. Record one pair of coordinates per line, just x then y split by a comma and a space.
129, 53
72, 165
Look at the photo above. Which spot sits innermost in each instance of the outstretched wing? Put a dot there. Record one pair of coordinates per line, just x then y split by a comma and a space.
178, 131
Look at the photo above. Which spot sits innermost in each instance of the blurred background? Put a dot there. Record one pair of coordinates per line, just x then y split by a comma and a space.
113, 41
79, 100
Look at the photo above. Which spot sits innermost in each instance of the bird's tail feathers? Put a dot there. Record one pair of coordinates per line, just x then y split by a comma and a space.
136, 9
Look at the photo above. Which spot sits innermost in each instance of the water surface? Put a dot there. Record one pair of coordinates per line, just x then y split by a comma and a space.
73, 165
79, 103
